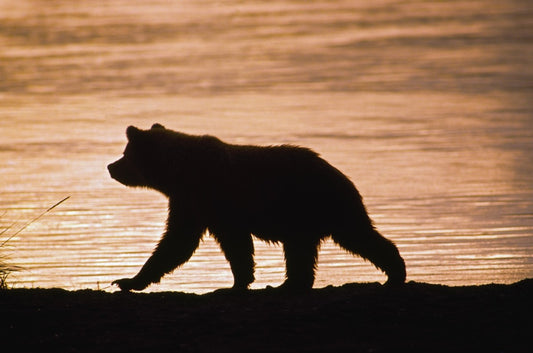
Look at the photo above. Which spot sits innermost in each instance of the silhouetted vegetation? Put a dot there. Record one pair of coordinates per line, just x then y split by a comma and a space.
6, 269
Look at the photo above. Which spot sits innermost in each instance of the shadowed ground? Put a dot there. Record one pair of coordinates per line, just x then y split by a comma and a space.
354, 317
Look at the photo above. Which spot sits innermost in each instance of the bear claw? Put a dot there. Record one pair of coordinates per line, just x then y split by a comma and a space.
127, 284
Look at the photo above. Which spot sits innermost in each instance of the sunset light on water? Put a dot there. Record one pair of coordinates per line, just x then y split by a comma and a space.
425, 106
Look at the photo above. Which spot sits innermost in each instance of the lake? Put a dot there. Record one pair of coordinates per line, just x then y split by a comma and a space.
426, 106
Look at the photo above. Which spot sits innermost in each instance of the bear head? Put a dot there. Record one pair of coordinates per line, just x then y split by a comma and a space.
143, 158
168, 161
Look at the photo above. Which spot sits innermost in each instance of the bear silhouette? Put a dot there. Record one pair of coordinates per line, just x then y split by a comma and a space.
280, 194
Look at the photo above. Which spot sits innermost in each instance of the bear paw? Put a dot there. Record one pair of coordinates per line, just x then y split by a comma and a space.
127, 284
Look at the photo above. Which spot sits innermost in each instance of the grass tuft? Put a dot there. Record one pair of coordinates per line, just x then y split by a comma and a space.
5, 269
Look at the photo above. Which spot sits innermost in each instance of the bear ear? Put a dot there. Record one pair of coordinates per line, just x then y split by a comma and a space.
132, 132
158, 126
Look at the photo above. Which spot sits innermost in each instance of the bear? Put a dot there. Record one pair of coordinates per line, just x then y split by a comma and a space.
280, 194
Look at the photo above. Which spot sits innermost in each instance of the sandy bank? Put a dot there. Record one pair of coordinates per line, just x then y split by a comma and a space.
352, 318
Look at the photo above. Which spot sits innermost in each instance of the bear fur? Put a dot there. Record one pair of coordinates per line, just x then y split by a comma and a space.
282, 194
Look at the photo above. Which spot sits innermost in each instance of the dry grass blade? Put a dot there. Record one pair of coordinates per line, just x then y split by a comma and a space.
33, 220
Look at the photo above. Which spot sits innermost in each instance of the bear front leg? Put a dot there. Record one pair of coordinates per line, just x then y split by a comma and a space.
173, 250
238, 248
300, 261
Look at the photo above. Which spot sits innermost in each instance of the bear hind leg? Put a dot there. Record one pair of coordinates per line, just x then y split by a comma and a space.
380, 251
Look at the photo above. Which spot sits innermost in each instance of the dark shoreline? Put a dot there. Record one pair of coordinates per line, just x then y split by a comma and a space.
352, 318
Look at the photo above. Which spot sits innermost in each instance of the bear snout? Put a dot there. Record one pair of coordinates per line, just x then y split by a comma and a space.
110, 168
125, 172
115, 170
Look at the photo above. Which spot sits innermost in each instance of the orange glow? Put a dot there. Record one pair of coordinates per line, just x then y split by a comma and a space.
426, 106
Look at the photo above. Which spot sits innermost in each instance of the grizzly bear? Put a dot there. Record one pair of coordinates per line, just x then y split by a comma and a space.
280, 194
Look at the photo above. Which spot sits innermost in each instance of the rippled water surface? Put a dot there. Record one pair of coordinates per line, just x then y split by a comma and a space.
426, 106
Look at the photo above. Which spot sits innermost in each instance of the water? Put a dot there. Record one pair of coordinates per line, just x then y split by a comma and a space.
426, 106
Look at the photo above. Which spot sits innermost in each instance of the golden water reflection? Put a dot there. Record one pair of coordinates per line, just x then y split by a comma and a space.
425, 106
